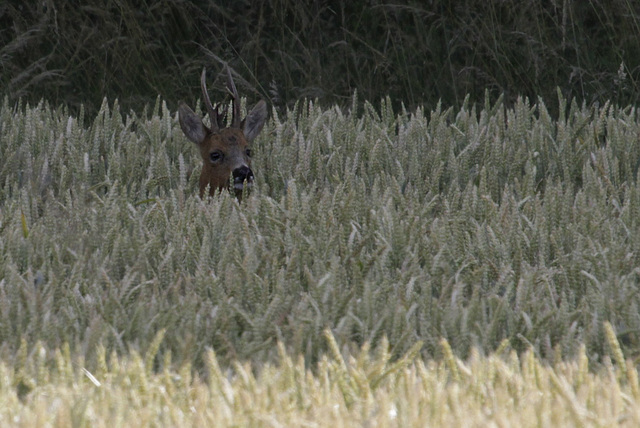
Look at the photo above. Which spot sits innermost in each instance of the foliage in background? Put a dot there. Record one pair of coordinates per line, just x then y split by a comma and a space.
472, 225
417, 52
360, 389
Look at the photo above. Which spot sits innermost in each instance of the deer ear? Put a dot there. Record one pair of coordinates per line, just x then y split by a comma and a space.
253, 123
191, 124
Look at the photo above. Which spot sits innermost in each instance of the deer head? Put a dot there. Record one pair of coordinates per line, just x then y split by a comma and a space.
226, 153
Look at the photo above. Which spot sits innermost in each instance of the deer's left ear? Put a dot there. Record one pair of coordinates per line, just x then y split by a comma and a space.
253, 123
191, 124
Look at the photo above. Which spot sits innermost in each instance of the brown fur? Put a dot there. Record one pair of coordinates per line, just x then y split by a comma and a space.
233, 146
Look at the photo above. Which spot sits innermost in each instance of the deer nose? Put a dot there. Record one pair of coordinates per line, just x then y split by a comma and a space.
240, 175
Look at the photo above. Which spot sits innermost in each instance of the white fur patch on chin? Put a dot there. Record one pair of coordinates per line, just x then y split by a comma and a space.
240, 186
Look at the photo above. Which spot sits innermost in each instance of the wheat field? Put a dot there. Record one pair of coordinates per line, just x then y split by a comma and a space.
367, 389
476, 266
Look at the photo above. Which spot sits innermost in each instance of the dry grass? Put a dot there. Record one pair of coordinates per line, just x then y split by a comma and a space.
363, 390
417, 52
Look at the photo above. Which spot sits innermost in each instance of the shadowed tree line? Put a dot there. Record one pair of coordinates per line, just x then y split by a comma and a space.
418, 52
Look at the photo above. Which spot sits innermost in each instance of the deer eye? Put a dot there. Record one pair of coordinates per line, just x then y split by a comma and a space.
248, 152
215, 156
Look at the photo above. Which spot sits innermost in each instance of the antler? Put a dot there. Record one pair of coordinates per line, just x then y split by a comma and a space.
213, 112
231, 87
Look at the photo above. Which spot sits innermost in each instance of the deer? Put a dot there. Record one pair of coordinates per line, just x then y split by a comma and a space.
225, 151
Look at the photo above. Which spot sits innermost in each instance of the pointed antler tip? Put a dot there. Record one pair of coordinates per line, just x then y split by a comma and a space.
213, 113
233, 91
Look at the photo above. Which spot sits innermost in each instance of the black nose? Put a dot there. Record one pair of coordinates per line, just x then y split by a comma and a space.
242, 174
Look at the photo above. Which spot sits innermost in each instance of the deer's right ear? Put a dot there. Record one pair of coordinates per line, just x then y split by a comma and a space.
253, 123
191, 124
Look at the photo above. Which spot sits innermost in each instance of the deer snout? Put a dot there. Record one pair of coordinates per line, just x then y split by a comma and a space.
240, 175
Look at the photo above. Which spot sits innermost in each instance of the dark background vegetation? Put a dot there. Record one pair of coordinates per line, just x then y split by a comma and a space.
418, 52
